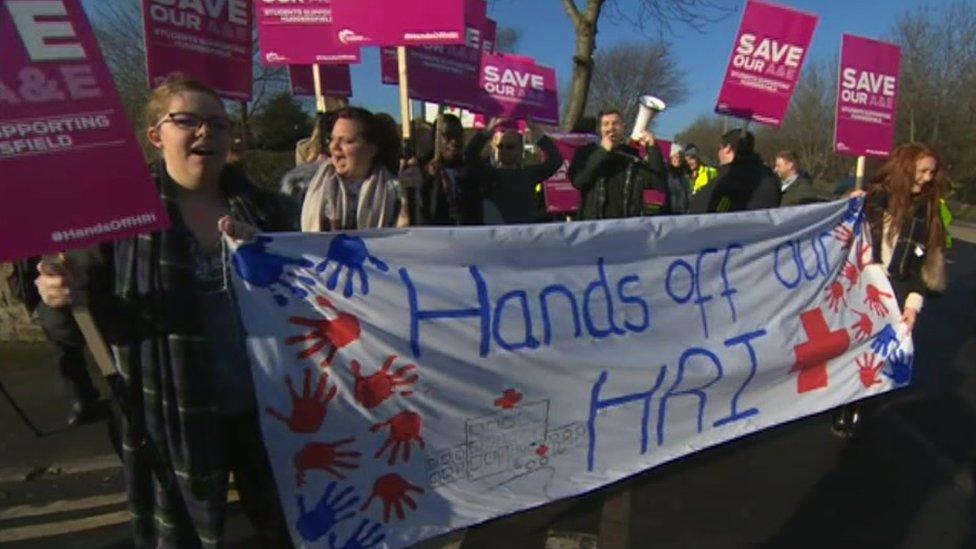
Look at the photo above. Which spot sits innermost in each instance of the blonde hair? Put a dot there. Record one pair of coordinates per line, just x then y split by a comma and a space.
158, 105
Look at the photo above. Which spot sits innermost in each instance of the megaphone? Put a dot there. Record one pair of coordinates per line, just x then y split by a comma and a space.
648, 107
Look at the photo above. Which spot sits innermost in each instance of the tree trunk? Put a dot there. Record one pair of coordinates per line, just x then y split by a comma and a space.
579, 89
245, 131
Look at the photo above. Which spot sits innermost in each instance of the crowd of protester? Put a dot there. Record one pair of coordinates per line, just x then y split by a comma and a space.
192, 417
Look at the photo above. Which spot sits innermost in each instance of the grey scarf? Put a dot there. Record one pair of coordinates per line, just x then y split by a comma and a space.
325, 208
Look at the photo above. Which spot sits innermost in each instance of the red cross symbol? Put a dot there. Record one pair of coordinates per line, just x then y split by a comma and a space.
812, 356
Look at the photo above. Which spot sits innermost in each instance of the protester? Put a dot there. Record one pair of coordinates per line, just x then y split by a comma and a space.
450, 197
611, 176
353, 188
679, 181
902, 210
62, 332
190, 413
314, 148
309, 153
508, 187
701, 174
796, 184
743, 183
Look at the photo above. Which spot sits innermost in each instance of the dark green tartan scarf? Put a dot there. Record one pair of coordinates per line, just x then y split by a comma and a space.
160, 355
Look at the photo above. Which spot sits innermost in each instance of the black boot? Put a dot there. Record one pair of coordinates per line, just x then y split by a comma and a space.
84, 411
847, 421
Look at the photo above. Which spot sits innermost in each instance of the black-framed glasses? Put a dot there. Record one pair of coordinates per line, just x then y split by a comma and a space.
193, 122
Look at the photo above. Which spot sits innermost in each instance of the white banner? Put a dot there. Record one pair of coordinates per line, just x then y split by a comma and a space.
417, 381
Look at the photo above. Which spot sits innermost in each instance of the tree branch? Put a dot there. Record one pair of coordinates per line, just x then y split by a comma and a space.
573, 12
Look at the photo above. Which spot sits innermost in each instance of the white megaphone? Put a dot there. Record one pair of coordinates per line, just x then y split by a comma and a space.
648, 107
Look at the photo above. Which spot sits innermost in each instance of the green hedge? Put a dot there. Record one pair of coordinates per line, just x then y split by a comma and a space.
266, 167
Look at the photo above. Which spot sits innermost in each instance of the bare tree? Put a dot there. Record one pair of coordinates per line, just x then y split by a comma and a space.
119, 31
585, 15
704, 133
937, 97
507, 39
630, 69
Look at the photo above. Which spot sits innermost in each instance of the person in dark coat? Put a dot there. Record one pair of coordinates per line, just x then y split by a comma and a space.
449, 196
612, 176
743, 183
190, 414
796, 184
508, 186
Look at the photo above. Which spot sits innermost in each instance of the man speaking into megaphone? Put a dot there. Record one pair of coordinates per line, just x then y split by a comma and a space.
614, 178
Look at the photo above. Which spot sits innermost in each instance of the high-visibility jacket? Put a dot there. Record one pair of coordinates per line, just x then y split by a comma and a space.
705, 175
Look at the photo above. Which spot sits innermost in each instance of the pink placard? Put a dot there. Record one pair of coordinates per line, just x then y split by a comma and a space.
561, 197
208, 41
301, 33
399, 23
446, 75
336, 80
770, 47
73, 174
867, 97
513, 87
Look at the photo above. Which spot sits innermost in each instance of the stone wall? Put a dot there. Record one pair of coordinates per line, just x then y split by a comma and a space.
15, 323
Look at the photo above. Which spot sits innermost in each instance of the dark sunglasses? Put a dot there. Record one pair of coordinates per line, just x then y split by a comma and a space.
190, 121
508, 147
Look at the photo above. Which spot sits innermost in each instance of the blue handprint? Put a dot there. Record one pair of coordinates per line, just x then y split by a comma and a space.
314, 524
855, 214
349, 252
901, 363
255, 264
884, 339
359, 539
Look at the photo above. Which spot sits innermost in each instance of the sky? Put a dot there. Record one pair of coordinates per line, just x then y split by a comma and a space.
547, 35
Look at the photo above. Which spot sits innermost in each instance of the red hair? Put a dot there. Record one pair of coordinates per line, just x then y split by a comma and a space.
896, 178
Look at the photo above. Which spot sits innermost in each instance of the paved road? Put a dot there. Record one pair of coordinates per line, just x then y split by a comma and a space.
907, 483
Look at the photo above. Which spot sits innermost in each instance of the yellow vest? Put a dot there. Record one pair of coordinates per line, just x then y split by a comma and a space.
705, 175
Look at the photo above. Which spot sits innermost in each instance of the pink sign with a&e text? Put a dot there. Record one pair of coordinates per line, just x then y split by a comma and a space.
73, 174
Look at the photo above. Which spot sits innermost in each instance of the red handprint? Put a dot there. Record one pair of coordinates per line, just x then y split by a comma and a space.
405, 427
835, 296
325, 456
863, 327
372, 390
308, 410
864, 251
868, 368
874, 300
332, 334
392, 489
844, 234
852, 274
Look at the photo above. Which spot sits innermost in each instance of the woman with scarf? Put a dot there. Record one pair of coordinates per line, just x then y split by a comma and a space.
354, 188
190, 413
908, 237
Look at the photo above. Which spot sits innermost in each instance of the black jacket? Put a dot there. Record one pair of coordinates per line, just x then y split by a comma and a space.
437, 206
745, 184
511, 190
800, 192
613, 182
